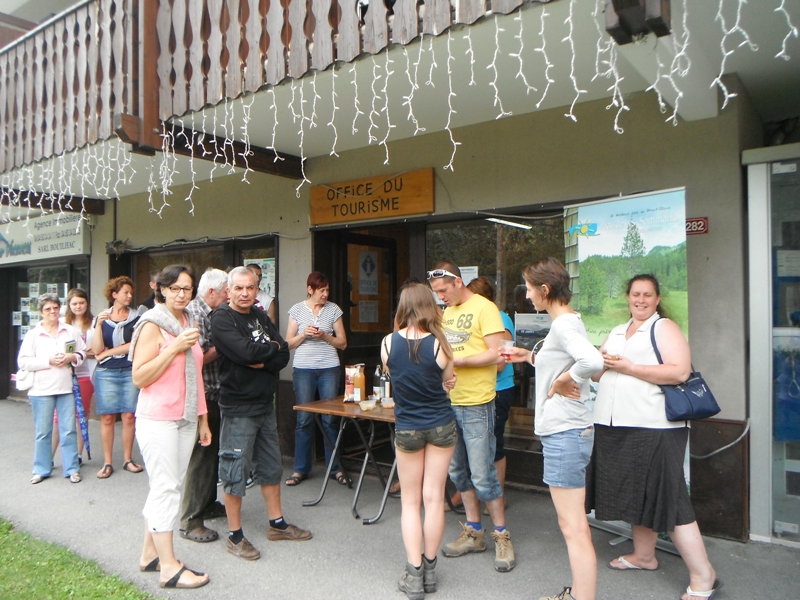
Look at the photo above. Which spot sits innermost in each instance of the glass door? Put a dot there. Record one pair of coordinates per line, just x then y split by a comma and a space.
784, 183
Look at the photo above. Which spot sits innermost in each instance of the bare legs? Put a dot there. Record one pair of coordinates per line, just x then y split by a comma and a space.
422, 477
160, 544
644, 549
107, 423
233, 505
574, 526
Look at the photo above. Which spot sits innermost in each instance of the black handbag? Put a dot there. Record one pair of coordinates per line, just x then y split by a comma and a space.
687, 401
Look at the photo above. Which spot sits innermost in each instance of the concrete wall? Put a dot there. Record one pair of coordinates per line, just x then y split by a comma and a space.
528, 160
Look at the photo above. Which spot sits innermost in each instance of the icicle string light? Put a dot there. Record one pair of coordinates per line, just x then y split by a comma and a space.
518, 55
578, 91
726, 33
493, 67
313, 118
373, 112
433, 64
413, 86
607, 56
681, 63
792, 30
450, 95
355, 94
247, 152
274, 108
385, 108
547, 64
333, 112
302, 116
471, 53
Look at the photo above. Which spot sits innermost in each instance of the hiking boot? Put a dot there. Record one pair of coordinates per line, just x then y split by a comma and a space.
504, 559
564, 595
469, 541
292, 533
411, 582
429, 575
243, 549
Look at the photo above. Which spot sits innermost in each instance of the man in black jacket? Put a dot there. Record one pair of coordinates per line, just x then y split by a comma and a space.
252, 354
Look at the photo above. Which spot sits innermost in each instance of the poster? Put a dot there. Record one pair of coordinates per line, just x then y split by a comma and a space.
22, 332
267, 274
368, 274
33, 289
52, 288
34, 319
24, 304
468, 274
530, 329
368, 311
16, 318
609, 242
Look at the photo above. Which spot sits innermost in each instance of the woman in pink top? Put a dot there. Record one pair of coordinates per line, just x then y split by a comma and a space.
171, 412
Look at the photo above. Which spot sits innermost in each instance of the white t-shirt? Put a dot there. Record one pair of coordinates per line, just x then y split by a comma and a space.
566, 347
263, 300
315, 353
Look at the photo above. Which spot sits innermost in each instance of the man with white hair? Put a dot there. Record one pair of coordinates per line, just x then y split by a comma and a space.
200, 493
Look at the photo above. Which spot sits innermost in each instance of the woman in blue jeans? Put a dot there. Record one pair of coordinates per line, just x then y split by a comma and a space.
315, 333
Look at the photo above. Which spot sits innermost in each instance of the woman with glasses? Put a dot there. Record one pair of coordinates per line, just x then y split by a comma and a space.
50, 350
562, 420
168, 368
315, 333
114, 387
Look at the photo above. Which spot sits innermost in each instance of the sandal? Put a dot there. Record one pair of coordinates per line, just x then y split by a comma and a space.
105, 472
75, 477
175, 582
153, 565
295, 479
37, 479
395, 488
341, 478
132, 467
709, 594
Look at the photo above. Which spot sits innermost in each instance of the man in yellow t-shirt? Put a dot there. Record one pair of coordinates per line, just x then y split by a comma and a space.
474, 329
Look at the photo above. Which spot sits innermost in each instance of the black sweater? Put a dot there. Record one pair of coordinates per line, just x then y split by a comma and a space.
242, 340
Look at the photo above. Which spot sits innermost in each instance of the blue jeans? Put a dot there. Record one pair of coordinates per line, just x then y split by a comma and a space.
473, 461
43, 407
306, 383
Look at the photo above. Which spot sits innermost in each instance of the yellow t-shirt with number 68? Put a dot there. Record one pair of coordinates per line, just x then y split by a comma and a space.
465, 326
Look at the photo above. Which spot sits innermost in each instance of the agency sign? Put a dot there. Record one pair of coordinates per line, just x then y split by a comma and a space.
382, 197
43, 237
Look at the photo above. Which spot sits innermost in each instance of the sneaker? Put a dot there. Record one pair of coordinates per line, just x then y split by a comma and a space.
469, 541
219, 482
411, 583
250, 482
243, 549
564, 595
292, 533
504, 559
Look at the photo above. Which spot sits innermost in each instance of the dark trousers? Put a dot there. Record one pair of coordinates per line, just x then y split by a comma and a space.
200, 491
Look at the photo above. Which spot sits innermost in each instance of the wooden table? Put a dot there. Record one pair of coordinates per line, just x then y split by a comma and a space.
350, 412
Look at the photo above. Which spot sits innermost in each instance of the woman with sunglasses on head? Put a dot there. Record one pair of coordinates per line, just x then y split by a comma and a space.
636, 474
113, 382
420, 359
562, 420
168, 368
50, 350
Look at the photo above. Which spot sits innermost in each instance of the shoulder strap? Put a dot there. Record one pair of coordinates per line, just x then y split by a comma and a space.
438, 347
385, 347
653, 340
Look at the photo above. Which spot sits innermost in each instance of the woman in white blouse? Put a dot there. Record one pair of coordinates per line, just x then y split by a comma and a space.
315, 333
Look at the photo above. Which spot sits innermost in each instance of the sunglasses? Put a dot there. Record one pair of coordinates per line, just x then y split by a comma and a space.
438, 273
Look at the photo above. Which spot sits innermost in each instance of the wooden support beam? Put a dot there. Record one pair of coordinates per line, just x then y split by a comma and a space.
75, 204
262, 160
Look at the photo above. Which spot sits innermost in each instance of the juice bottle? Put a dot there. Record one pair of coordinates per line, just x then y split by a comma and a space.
349, 372
360, 384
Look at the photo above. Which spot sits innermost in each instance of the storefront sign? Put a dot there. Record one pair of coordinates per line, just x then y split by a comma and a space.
383, 197
43, 237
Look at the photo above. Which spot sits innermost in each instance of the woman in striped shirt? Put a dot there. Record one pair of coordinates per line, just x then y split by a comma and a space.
315, 333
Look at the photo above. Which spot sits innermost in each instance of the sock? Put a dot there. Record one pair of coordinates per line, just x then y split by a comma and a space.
428, 561
278, 523
476, 526
236, 536
416, 567
499, 528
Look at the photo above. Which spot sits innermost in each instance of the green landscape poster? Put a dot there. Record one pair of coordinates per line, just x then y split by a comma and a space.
609, 242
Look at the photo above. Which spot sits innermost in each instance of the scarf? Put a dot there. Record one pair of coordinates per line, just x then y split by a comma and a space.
118, 335
163, 318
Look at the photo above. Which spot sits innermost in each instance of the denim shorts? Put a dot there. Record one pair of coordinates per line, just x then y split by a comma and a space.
114, 391
566, 455
414, 440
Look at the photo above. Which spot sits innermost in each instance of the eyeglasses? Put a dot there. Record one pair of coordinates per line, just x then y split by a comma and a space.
51, 308
538, 346
437, 273
176, 289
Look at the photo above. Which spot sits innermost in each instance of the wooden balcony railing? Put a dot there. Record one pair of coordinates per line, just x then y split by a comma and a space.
62, 84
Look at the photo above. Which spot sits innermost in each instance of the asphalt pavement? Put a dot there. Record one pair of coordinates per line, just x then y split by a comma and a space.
101, 520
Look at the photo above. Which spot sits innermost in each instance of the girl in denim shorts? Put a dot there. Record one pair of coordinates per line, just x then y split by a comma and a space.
562, 420
420, 360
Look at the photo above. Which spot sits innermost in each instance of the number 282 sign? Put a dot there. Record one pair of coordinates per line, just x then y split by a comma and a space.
697, 226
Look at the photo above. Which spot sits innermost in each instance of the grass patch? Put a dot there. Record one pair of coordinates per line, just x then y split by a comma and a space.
33, 569
616, 312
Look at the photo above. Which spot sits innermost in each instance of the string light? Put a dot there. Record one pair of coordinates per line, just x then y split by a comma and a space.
333, 112
190, 146
518, 55
303, 119
547, 64
578, 91
313, 119
385, 109
493, 66
681, 63
471, 53
433, 63
792, 30
356, 102
726, 33
372, 125
247, 152
450, 112
607, 55
274, 108
412, 81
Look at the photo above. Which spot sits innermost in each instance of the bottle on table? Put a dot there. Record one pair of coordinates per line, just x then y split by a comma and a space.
386, 385
360, 384
377, 385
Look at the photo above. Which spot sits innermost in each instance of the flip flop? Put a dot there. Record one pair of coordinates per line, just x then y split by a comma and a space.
132, 467
629, 566
341, 478
176, 583
709, 594
105, 472
296, 479
153, 565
